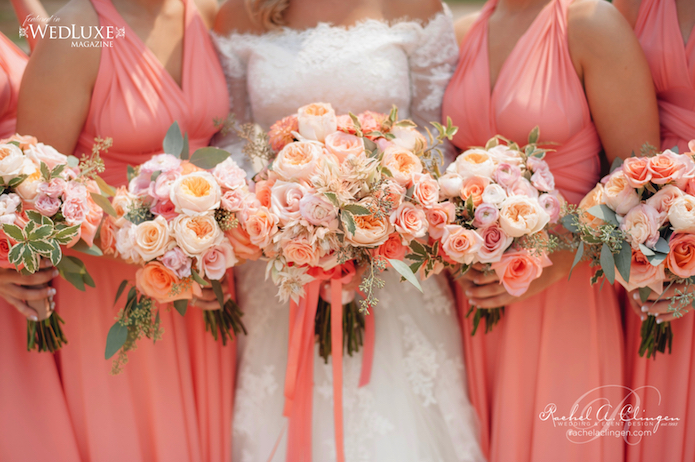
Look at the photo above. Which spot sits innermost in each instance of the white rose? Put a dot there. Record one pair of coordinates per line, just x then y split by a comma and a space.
682, 214
125, 243
196, 234
12, 161
494, 194
522, 215
317, 121
9, 205
450, 185
409, 138
194, 193
152, 238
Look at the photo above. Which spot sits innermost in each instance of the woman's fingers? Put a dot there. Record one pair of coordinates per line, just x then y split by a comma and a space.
29, 294
22, 307
636, 305
38, 278
497, 301
476, 293
486, 278
208, 301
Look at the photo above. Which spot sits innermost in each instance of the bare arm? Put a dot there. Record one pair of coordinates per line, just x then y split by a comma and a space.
616, 76
464, 25
208, 11
29, 9
629, 9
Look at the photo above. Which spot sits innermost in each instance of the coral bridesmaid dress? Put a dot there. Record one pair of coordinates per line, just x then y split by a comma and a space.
34, 419
173, 402
567, 341
673, 69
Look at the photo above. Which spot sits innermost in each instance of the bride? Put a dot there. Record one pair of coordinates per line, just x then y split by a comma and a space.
359, 55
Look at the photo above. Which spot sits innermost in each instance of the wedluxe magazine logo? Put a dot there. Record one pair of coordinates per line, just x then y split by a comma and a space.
80, 36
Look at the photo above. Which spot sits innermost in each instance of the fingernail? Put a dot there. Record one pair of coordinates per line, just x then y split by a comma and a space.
470, 302
51, 292
644, 318
635, 296
468, 293
55, 273
645, 308
34, 318
659, 320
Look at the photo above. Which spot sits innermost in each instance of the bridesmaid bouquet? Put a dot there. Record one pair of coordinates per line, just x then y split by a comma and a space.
499, 205
178, 220
344, 194
640, 220
48, 201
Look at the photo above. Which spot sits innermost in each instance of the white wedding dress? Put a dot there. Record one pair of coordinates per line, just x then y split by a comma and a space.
415, 409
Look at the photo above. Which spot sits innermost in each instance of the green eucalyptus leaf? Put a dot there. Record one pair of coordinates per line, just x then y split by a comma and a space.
604, 212
181, 306
617, 163
646, 251
87, 278
662, 246
657, 259
76, 280
644, 293
608, 263
82, 246
568, 222
349, 222
104, 203
405, 271
185, 151
173, 141
73, 161
118, 334
577, 258
357, 210
208, 158
623, 261
120, 290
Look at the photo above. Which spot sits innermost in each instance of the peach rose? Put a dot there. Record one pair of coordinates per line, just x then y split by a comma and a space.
521, 215
595, 197
474, 186
682, 214
392, 249
474, 162
643, 274
343, 145
425, 189
195, 193
90, 225
316, 121
495, 242
25, 141
300, 251
121, 201
501, 154
297, 161
187, 168
157, 282
263, 191
517, 269
284, 200
438, 216
681, 258
152, 238
29, 188
280, 134
460, 244
642, 226
394, 193
261, 226
636, 171
665, 167
107, 237
402, 164
619, 195
370, 231
241, 243
215, 261
663, 200
195, 234
410, 221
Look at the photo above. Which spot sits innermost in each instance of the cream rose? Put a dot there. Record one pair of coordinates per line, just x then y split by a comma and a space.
460, 244
521, 215
195, 193
46, 154
297, 161
284, 200
682, 214
152, 238
450, 185
410, 221
409, 138
196, 234
642, 226
474, 162
402, 164
12, 161
317, 121
619, 195
494, 194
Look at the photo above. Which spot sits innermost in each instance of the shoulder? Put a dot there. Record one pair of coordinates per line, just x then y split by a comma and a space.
232, 16
464, 25
422, 10
207, 10
596, 26
629, 9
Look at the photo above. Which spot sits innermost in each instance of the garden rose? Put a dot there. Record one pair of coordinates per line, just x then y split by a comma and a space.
425, 189
157, 282
663, 200
343, 145
164, 163
410, 221
47, 205
543, 180
643, 274
552, 206
636, 171
495, 242
474, 162
682, 214
319, 211
297, 161
24, 140
494, 194
195, 193
54, 188
460, 244
178, 262
521, 215
517, 269
195, 234
370, 231
160, 188
280, 134
595, 197
261, 226
506, 175
316, 121
152, 238
29, 188
438, 216
215, 261
619, 195
642, 226
409, 138
75, 209
165, 209
241, 242
523, 187
501, 154
402, 164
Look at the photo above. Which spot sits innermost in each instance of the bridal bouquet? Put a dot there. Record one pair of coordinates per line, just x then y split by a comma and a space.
641, 220
499, 205
48, 201
178, 220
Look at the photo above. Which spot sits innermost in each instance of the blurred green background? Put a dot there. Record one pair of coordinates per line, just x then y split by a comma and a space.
10, 27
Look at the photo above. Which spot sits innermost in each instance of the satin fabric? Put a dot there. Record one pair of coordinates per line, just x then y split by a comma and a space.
672, 63
554, 347
173, 402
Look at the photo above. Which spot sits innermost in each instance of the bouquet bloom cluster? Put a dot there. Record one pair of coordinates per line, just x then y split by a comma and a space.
177, 219
48, 201
641, 220
499, 204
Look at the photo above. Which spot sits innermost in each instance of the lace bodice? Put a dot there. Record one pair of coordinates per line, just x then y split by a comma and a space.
369, 66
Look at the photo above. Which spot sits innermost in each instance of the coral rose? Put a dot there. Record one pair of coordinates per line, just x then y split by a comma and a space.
681, 258
517, 269
261, 226
665, 167
460, 244
300, 251
636, 171
643, 274
595, 197
402, 164
438, 217
392, 249
425, 189
410, 221
159, 283
474, 187
241, 242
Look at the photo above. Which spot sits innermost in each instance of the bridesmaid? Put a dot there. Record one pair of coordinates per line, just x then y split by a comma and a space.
174, 400
32, 404
665, 30
575, 70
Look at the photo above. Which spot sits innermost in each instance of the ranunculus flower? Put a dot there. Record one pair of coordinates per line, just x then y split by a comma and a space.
523, 187
595, 197
164, 163
12, 161
195, 193
619, 195
241, 242
284, 200
9, 207
229, 175
535, 164
297, 161
410, 221
317, 121
485, 215
425, 189
54, 188
682, 214
450, 185
460, 244
261, 226
319, 211
552, 206
342, 145
642, 226
543, 180
517, 269
392, 249
663, 199
494, 194
157, 282
370, 231
665, 167
506, 175
195, 234
75, 209
160, 188
474, 162
178, 262
643, 274
636, 171
474, 186
280, 133
165, 209
409, 138
402, 164
438, 217
521, 215
215, 261
681, 258
495, 242
152, 238
47, 154
300, 251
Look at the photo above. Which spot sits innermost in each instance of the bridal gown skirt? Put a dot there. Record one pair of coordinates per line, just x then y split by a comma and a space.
415, 407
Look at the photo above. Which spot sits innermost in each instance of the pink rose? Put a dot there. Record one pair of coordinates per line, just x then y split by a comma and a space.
663, 200
450, 185
392, 192
392, 249
215, 261
233, 200
665, 167
438, 217
636, 171
618, 193
552, 206
300, 252
460, 244
261, 226
319, 211
229, 175
543, 180
506, 175
75, 209
47, 154
485, 215
523, 187
178, 262
410, 221
495, 242
503, 155
425, 189
517, 269
642, 226
47, 205
343, 145
643, 274
140, 185
54, 188
160, 163
165, 209
284, 200
160, 189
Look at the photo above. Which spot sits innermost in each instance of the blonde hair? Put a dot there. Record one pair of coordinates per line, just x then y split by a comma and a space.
267, 13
